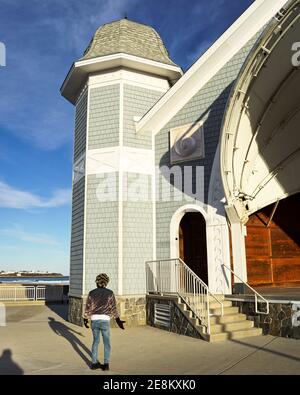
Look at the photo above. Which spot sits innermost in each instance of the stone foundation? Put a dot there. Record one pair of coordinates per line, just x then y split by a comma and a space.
75, 311
283, 319
132, 309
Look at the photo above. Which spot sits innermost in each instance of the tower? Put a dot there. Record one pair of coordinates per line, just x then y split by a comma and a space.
124, 71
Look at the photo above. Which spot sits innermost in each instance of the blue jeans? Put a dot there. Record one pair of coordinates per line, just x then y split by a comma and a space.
103, 327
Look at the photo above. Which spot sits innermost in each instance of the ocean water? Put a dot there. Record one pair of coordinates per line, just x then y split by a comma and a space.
35, 280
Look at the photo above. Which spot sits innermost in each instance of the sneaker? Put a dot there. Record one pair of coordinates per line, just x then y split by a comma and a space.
105, 366
96, 366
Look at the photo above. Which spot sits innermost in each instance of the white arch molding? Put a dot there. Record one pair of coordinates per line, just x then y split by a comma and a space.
174, 225
217, 246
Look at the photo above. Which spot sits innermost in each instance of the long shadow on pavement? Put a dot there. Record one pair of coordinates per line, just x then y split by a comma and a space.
263, 348
69, 334
8, 366
256, 349
60, 309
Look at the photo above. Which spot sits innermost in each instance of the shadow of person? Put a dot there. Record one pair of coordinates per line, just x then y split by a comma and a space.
62, 330
8, 366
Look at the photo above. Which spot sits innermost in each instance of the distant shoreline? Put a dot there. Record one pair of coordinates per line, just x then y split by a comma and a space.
31, 275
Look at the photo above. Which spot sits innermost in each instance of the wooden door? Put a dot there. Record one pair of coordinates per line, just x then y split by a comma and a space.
192, 243
273, 250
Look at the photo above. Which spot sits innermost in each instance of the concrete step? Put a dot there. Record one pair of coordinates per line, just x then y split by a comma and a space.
188, 313
182, 306
233, 335
232, 326
210, 297
228, 318
226, 311
213, 304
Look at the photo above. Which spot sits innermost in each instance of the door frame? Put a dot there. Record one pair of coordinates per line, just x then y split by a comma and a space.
174, 229
217, 246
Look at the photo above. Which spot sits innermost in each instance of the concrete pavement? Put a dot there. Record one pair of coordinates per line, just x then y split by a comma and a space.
38, 340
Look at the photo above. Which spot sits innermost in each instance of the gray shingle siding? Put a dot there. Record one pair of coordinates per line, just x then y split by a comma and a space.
137, 236
137, 101
104, 116
77, 238
207, 105
80, 126
101, 254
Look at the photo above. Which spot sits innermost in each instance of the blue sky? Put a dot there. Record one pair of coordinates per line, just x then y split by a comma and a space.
42, 39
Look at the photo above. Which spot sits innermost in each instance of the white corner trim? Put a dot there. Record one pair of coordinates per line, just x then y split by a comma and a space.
85, 199
120, 214
154, 246
239, 33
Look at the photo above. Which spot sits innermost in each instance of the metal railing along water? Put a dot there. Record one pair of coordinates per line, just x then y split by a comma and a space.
40, 293
256, 294
19, 293
173, 276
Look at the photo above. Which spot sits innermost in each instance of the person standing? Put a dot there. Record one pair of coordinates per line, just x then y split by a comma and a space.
100, 307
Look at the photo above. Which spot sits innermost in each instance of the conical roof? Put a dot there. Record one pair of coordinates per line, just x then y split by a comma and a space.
132, 38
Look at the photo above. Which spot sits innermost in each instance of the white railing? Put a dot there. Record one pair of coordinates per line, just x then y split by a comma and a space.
173, 276
256, 294
40, 293
16, 293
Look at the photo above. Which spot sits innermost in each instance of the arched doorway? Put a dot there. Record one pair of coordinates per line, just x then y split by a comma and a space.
273, 244
192, 243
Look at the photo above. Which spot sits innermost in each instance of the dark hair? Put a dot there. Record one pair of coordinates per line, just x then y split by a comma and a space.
102, 280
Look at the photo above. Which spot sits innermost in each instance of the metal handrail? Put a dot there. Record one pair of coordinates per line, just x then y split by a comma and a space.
174, 276
256, 294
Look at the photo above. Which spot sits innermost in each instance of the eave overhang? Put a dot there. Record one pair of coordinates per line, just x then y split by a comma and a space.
80, 70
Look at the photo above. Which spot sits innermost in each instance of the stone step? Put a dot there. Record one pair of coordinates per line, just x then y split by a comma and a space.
226, 311
232, 326
233, 335
228, 318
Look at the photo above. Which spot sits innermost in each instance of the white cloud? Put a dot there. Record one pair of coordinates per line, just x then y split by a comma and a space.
14, 198
56, 34
17, 232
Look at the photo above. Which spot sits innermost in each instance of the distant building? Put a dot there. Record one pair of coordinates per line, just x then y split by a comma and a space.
232, 118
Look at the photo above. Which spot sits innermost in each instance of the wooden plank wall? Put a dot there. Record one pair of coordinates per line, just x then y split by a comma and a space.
273, 251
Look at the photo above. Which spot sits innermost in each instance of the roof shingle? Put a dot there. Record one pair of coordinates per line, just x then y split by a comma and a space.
126, 36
